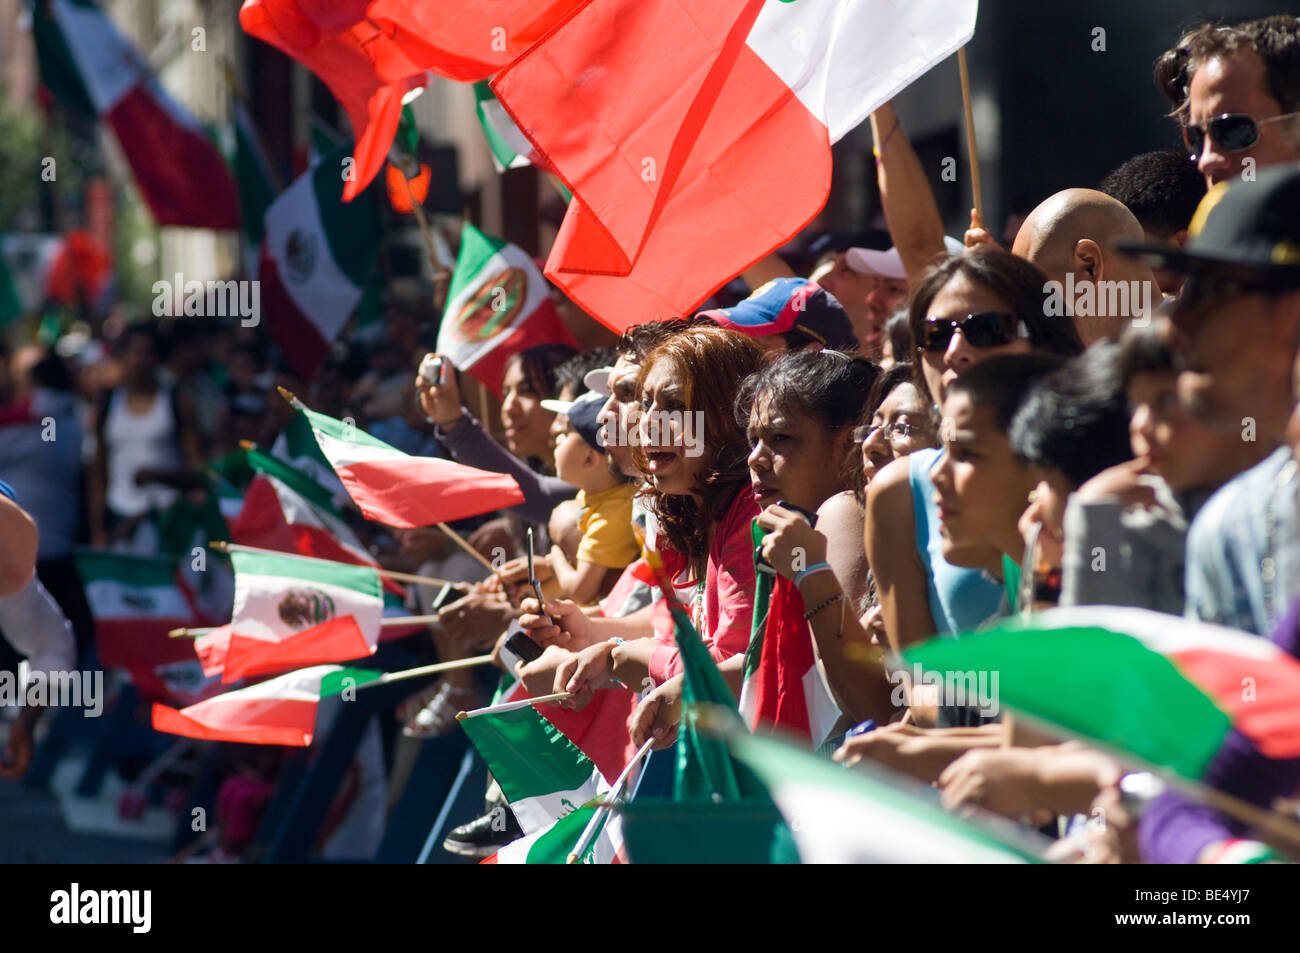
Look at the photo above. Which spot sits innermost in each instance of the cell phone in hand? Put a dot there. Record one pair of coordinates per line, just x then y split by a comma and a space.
532, 580
763, 565
524, 647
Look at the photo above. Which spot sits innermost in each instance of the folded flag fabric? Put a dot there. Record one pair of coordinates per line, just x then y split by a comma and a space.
287, 511
862, 816
469, 40
318, 253
278, 711
498, 304
355, 57
292, 611
542, 774
258, 185
1162, 687
784, 684
510, 147
547, 782
554, 844
135, 601
297, 447
93, 69
713, 147
400, 490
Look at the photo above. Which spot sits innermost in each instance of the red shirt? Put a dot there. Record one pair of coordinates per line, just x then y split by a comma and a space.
728, 593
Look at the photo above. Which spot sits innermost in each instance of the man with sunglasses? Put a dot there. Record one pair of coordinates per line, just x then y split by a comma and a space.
1243, 96
1236, 334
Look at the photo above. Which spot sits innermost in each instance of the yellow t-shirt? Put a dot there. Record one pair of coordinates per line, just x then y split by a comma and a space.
608, 538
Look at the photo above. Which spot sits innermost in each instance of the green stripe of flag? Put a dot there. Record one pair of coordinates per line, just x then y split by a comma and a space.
294, 479
527, 755
125, 568
345, 679
1089, 680
352, 228
362, 579
345, 431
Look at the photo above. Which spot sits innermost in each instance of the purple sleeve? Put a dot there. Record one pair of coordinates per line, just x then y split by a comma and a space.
1175, 828
469, 444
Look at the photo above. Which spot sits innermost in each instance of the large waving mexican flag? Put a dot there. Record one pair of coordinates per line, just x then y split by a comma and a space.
696, 137
92, 68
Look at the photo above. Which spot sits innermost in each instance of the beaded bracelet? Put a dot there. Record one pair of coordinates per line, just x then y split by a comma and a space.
807, 616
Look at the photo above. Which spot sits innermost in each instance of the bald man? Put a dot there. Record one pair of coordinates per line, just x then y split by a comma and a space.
1069, 236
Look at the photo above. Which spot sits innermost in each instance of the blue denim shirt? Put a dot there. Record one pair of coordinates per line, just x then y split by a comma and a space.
1229, 540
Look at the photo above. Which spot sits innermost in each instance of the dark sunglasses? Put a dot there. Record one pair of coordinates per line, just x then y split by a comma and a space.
1232, 131
985, 329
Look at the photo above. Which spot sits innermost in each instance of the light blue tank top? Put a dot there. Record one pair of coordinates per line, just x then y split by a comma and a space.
960, 599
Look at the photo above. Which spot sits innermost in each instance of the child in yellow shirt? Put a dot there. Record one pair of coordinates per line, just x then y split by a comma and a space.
608, 541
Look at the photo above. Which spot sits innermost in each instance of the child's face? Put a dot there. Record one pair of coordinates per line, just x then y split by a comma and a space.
573, 457
980, 487
1172, 443
794, 458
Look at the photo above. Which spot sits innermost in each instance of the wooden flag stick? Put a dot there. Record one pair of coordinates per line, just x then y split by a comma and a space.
615, 793
224, 547
429, 244
460, 541
977, 194
185, 633
431, 669
511, 706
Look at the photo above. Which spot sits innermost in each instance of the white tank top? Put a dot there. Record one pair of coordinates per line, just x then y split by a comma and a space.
133, 442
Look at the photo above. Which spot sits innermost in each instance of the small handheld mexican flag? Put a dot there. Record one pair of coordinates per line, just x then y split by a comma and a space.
784, 684
135, 602
498, 305
292, 611
548, 783
279, 711
401, 490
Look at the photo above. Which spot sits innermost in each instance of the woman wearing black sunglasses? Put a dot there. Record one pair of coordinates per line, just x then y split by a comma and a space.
964, 310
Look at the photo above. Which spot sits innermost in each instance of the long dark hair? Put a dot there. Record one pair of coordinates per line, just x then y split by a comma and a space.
1020, 283
710, 362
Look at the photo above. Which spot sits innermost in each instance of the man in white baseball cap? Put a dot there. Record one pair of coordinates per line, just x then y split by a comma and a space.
871, 285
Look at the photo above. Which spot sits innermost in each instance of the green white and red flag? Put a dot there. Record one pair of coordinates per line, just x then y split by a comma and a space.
1162, 687
867, 817
401, 490
135, 601
784, 685
498, 304
318, 253
292, 611
548, 783
93, 69
706, 142
278, 711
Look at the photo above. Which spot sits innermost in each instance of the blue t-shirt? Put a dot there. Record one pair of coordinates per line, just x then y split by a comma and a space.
960, 599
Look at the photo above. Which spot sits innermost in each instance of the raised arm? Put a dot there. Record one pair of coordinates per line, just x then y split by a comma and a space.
910, 210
